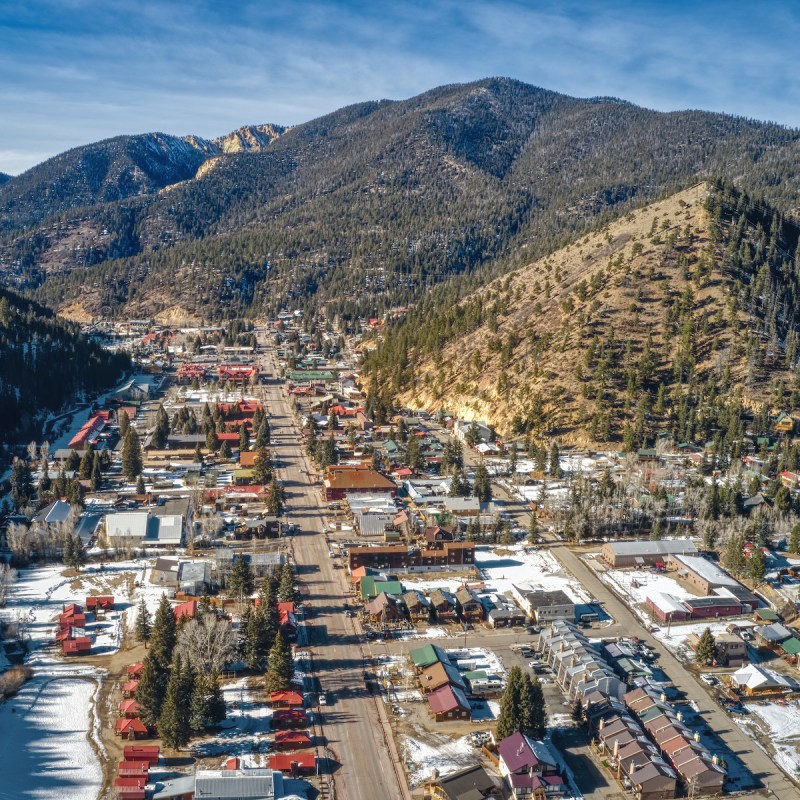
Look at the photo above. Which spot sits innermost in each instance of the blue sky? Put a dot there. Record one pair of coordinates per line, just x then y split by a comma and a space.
76, 71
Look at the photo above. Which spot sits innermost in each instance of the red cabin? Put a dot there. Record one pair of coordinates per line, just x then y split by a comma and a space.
294, 763
131, 788
77, 647
186, 610
132, 728
288, 740
129, 688
133, 769
289, 718
142, 752
286, 699
135, 670
100, 603
129, 709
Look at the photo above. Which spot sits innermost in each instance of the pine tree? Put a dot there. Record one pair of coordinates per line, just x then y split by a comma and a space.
131, 455
68, 550
275, 497
97, 475
144, 625
555, 460
756, 566
85, 467
151, 690
280, 665
174, 722
161, 430
706, 648
78, 553
262, 467
21, 483
509, 720
244, 439
533, 529
198, 454
536, 712
240, 581
124, 422
482, 489
257, 641
262, 436
211, 440
577, 711
199, 716
286, 586
216, 701
140, 485
164, 633
225, 450
794, 539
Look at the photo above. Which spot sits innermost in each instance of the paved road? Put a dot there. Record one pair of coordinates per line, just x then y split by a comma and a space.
353, 723
737, 740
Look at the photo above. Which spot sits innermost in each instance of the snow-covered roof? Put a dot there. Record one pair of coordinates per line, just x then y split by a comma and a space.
706, 569
755, 677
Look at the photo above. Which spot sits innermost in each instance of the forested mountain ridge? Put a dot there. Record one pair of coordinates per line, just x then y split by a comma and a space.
45, 363
4, 178
672, 319
365, 208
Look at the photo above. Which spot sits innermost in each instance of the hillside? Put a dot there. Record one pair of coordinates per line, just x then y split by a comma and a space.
653, 323
366, 208
45, 364
4, 178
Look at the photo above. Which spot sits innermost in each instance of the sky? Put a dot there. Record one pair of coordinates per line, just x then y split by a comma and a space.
77, 71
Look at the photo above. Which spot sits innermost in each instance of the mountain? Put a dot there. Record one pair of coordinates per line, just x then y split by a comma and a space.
367, 208
117, 169
666, 320
4, 178
45, 363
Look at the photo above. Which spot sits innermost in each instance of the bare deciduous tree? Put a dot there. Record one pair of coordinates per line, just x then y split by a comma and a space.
7, 578
208, 642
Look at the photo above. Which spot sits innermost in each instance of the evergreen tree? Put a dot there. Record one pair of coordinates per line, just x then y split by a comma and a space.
472, 436
68, 555
124, 422
413, 454
512, 460
275, 497
733, 555
78, 553
244, 439
756, 566
281, 666
509, 720
85, 467
140, 485
262, 435
794, 539
164, 633
161, 430
144, 625
240, 581
21, 483
216, 701
151, 690
257, 640
262, 467
534, 709
211, 440
225, 450
199, 716
286, 586
577, 711
131, 455
198, 454
555, 460
174, 722
482, 488
97, 475
533, 529
706, 648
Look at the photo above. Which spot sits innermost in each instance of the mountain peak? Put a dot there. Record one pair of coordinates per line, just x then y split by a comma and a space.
249, 138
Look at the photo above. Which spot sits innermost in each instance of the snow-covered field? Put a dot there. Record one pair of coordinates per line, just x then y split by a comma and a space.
46, 751
637, 584
249, 718
675, 640
782, 723
500, 567
437, 752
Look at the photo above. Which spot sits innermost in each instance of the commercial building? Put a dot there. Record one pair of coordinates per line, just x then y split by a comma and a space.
641, 553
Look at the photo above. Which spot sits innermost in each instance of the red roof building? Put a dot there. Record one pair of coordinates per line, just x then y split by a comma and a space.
101, 602
135, 670
187, 610
237, 372
132, 769
77, 647
88, 433
286, 699
294, 763
142, 752
449, 702
129, 688
289, 718
287, 740
130, 728
128, 708
131, 788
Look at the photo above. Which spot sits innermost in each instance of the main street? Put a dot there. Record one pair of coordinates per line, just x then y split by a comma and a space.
353, 723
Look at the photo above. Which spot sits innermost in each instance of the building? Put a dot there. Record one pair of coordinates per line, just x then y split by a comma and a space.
294, 763
238, 784
529, 767
340, 481
644, 552
165, 572
731, 650
754, 681
451, 556
440, 674
544, 606
472, 783
144, 529
449, 703
700, 573
469, 606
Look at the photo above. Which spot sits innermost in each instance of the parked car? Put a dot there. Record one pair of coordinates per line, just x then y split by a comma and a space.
709, 679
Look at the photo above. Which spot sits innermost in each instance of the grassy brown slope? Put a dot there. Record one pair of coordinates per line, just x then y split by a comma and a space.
533, 362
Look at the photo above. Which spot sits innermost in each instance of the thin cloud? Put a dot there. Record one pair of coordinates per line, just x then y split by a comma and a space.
75, 71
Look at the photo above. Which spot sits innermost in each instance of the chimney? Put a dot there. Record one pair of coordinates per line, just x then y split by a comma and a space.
663, 697
616, 748
680, 716
697, 736
232, 763
715, 759
601, 725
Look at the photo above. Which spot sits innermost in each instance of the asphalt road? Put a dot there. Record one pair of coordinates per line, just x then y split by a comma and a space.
353, 723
